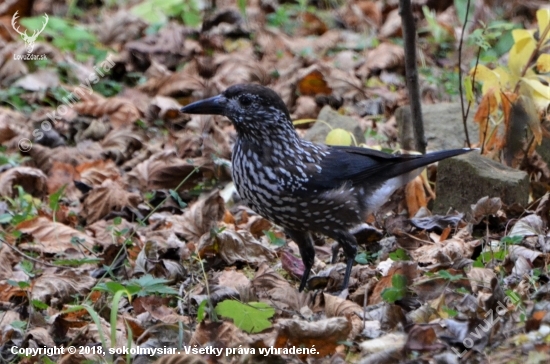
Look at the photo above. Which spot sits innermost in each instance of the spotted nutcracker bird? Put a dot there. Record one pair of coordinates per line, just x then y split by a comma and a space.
302, 186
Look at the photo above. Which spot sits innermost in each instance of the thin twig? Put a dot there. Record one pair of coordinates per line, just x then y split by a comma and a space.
411, 72
464, 113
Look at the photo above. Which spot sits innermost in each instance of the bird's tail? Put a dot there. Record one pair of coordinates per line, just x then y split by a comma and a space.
401, 170
407, 163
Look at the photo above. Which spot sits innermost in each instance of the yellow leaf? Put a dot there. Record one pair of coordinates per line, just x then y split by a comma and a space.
338, 136
487, 77
543, 63
504, 78
539, 92
532, 117
303, 121
537, 86
524, 45
543, 18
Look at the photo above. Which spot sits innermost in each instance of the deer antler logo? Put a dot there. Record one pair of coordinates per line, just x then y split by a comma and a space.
29, 40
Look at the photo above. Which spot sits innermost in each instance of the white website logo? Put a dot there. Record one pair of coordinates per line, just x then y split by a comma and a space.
29, 40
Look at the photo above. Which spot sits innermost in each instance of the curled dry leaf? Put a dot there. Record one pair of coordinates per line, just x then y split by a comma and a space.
268, 284
32, 180
38, 337
54, 238
232, 278
313, 83
39, 80
339, 307
120, 144
323, 335
423, 338
12, 123
96, 172
225, 333
534, 257
148, 261
91, 334
390, 342
166, 170
63, 174
486, 207
392, 25
7, 261
109, 197
120, 28
292, 264
235, 246
11, 69
385, 56
58, 286
172, 84
528, 226
83, 152
444, 252
165, 108
163, 313
200, 217
480, 279
415, 195
436, 221
121, 112
521, 266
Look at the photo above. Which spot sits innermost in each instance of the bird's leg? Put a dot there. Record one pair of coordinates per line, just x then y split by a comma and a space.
305, 243
349, 244
335, 250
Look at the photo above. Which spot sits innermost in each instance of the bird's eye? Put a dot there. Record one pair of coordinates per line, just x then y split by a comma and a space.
245, 100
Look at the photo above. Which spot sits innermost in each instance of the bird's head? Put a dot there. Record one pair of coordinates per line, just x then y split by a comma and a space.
254, 110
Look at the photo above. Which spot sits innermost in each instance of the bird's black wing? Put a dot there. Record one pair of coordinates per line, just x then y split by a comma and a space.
362, 166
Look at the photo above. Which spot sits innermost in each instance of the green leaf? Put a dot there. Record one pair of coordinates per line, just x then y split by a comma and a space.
252, 317
339, 136
399, 281
111, 287
274, 239
39, 304
399, 255
398, 289
513, 296
19, 324
513, 240
55, 197
362, 258
177, 198
450, 311
391, 295
478, 263
448, 276
5, 218
151, 285
201, 311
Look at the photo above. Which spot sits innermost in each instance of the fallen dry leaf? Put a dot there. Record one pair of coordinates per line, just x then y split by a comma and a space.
52, 237
32, 180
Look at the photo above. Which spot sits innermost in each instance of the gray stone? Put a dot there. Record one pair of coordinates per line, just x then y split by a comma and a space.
442, 126
463, 180
318, 132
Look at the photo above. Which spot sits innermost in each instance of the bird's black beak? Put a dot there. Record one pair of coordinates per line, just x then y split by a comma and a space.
213, 106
